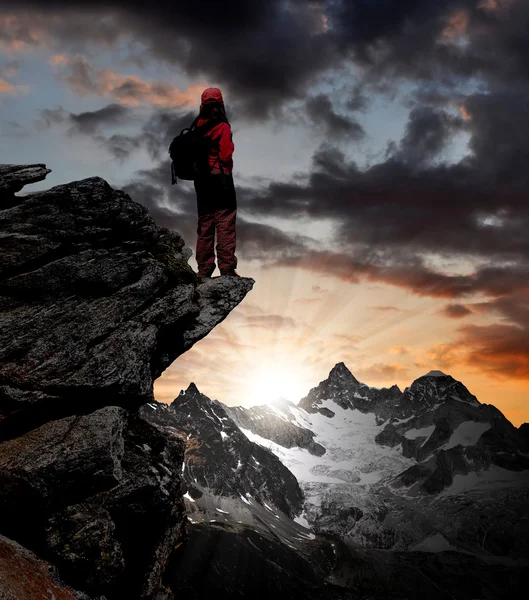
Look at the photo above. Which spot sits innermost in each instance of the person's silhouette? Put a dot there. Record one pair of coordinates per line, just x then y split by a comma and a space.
216, 198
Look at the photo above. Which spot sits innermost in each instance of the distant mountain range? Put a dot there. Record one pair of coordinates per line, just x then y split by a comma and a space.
349, 472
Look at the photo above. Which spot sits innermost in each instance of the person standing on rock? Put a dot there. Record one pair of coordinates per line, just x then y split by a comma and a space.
216, 198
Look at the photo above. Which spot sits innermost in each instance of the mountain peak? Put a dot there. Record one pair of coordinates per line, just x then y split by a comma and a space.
341, 372
192, 388
435, 373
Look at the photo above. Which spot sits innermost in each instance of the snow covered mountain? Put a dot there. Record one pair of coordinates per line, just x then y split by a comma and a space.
429, 468
239, 498
304, 501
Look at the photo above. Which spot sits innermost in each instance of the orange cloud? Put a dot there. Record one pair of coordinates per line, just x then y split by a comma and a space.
128, 90
456, 311
457, 25
500, 351
382, 372
19, 33
464, 112
12, 90
399, 350
59, 59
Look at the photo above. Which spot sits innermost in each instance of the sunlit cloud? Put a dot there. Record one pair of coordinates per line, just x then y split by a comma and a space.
7, 88
381, 372
19, 33
457, 25
130, 90
399, 350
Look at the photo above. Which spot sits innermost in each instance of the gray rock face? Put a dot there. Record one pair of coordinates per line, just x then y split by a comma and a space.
344, 390
102, 301
283, 430
95, 302
220, 458
14, 177
90, 488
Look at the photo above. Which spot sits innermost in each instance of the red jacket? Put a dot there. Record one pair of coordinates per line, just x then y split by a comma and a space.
222, 148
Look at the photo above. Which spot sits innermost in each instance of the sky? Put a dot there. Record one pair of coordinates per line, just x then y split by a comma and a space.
381, 166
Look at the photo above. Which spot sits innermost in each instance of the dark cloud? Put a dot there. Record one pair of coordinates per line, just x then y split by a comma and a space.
415, 276
321, 112
456, 311
87, 123
427, 134
263, 52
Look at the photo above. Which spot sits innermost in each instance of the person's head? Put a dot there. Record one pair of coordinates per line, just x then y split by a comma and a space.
212, 105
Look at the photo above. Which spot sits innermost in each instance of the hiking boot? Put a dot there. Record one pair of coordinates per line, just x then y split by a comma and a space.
230, 273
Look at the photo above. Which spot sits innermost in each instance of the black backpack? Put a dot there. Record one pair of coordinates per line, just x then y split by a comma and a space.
189, 152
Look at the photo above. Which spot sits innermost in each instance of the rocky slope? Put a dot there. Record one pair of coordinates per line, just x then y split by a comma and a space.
219, 457
95, 302
242, 536
429, 468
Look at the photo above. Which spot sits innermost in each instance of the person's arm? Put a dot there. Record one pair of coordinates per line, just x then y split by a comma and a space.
226, 145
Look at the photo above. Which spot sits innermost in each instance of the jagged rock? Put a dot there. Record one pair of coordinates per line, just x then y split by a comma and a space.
96, 301
220, 458
23, 576
342, 388
283, 430
99, 496
14, 177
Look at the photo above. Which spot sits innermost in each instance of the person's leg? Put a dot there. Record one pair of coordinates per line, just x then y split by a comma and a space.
205, 254
226, 239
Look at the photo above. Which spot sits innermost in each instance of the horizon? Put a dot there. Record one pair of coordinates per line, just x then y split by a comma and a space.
380, 169
296, 402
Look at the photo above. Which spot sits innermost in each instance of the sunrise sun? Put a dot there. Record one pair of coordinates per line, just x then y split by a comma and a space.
272, 381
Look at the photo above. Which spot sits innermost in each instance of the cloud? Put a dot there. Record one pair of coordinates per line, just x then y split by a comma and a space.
87, 123
19, 33
268, 322
399, 350
9, 89
129, 90
381, 372
320, 110
456, 311
261, 52
499, 350
385, 308
412, 275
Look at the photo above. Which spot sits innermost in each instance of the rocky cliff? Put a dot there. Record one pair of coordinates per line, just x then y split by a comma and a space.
96, 301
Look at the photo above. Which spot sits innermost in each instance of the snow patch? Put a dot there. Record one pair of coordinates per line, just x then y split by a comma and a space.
302, 521
186, 495
467, 434
222, 511
426, 432
223, 435
492, 478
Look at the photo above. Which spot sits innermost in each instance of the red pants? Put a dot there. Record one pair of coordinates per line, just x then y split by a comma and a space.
223, 221
217, 211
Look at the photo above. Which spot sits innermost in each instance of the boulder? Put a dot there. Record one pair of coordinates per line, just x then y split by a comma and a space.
97, 495
96, 301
